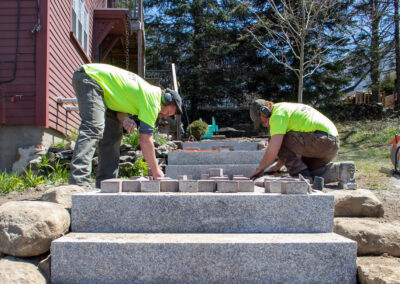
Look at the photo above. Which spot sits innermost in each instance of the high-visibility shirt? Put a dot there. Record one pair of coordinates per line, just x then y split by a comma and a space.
126, 92
287, 117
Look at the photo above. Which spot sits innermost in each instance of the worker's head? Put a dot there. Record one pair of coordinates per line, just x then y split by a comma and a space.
171, 103
260, 111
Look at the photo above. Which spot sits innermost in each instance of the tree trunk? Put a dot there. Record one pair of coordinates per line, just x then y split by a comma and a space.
397, 52
375, 56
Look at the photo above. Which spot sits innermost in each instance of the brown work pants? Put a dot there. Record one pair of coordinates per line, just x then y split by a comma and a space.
302, 151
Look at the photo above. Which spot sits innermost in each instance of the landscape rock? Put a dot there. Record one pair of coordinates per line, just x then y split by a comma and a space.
18, 271
382, 270
356, 203
62, 194
373, 237
27, 228
25, 155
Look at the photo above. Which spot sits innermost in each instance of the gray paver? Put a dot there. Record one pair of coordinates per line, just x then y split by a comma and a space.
169, 185
207, 186
227, 186
150, 186
111, 185
245, 186
188, 186
131, 185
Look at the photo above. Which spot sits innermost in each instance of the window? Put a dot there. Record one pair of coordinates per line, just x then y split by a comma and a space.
80, 23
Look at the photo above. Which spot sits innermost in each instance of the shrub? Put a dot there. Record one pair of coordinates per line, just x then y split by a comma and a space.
138, 169
197, 128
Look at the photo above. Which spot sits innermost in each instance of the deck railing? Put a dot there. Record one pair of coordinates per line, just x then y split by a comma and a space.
135, 7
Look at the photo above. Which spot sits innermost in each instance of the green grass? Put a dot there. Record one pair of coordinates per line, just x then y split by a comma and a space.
368, 144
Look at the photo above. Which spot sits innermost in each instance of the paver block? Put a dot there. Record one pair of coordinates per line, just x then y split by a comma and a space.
170, 185
219, 178
227, 186
202, 212
275, 186
245, 186
207, 186
204, 176
203, 258
131, 185
150, 186
184, 177
216, 172
113, 185
188, 186
295, 187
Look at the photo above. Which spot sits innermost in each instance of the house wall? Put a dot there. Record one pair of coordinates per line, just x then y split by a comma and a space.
65, 55
17, 97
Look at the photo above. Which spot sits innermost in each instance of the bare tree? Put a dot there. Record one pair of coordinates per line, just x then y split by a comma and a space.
306, 30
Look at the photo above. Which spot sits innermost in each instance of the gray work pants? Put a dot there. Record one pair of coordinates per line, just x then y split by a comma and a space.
99, 128
312, 151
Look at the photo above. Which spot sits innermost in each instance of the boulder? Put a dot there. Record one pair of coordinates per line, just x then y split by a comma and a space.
356, 203
373, 237
382, 270
62, 194
17, 271
27, 228
45, 266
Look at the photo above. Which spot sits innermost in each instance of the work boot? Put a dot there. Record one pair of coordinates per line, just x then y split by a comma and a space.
342, 172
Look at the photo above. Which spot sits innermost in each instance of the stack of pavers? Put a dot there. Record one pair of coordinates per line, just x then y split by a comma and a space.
215, 229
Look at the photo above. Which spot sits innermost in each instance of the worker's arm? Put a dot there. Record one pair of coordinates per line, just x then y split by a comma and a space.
269, 156
127, 123
147, 146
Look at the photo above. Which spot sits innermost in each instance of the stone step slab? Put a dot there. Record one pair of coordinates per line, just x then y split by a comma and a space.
210, 145
211, 158
202, 212
173, 171
203, 258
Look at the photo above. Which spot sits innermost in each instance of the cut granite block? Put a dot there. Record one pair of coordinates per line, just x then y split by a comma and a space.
207, 145
245, 186
170, 185
240, 178
204, 176
202, 212
215, 158
216, 172
227, 186
207, 186
131, 185
296, 187
113, 185
196, 170
150, 186
188, 186
203, 258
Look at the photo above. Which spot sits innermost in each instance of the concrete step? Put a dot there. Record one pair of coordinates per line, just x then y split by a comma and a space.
203, 258
211, 158
173, 171
177, 212
210, 145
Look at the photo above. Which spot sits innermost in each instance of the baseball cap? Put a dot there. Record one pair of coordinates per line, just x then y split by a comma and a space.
176, 99
255, 107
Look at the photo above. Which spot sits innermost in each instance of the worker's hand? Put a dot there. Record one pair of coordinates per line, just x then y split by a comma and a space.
129, 125
257, 173
157, 174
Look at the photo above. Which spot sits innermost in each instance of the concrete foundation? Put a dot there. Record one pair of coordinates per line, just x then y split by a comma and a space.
14, 137
202, 213
203, 258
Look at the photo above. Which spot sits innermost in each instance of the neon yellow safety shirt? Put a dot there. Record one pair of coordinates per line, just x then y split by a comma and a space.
298, 117
126, 92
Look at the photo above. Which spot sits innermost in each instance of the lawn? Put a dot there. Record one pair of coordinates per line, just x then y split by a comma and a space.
368, 143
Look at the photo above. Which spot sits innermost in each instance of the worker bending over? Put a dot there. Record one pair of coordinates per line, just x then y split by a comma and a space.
106, 95
303, 139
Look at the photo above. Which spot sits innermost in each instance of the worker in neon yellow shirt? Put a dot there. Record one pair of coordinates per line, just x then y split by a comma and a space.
303, 140
106, 96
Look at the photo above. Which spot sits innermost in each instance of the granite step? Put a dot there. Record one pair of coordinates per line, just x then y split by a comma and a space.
203, 258
210, 145
173, 171
178, 212
209, 158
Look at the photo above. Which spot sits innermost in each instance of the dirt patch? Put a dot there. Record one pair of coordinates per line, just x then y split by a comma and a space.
29, 194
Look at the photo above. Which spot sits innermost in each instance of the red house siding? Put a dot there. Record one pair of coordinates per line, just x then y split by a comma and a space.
18, 95
65, 55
